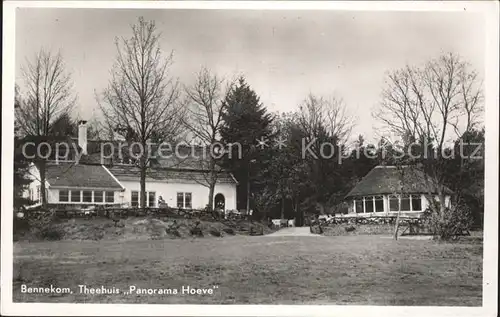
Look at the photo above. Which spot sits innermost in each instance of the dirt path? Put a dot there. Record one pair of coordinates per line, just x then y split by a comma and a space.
293, 232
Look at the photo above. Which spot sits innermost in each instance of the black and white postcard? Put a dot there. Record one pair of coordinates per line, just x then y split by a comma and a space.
251, 158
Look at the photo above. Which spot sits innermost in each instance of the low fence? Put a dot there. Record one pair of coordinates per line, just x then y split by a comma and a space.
382, 219
123, 213
377, 224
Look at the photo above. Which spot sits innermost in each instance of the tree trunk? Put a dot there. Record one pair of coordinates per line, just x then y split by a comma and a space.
143, 187
442, 201
43, 189
211, 185
248, 192
211, 190
282, 207
295, 215
396, 227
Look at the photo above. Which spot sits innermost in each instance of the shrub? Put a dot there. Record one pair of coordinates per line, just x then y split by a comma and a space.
228, 231
448, 223
256, 231
21, 225
51, 233
215, 232
350, 228
316, 228
196, 230
173, 232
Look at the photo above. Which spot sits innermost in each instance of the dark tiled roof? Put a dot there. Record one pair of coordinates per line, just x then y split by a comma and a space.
387, 179
182, 157
79, 175
125, 172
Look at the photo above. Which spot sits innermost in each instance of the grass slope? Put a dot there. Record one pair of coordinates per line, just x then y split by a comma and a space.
140, 228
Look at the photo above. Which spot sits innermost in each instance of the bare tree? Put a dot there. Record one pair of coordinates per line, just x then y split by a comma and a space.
318, 112
204, 109
430, 105
141, 98
323, 121
47, 94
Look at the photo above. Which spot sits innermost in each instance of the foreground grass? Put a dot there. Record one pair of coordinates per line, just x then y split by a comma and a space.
369, 270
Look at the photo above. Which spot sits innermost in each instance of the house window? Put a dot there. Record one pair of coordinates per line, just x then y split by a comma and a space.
187, 200
135, 199
76, 196
63, 196
359, 206
151, 199
110, 197
184, 200
379, 203
98, 197
393, 203
180, 200
38, 193
405, 203
368, 204
416, 203
87, 196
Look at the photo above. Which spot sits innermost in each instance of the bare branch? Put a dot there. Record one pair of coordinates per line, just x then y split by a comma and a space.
48, 93
204, 104
430, 103
141, 98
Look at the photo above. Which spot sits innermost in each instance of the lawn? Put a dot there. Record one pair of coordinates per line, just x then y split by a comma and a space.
363, 270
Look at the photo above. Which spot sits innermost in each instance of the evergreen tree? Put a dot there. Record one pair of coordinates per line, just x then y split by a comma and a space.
21, 179
245, 121
465, 172
21, 165
282, 178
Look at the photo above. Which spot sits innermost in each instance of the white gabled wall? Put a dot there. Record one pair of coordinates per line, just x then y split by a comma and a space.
34, 176
52, 196
169, 191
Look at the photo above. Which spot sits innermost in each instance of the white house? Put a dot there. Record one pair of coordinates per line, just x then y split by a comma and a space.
180, 188
385, 188
178, 183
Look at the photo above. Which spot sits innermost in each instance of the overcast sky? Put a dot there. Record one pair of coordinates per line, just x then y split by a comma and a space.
283, 54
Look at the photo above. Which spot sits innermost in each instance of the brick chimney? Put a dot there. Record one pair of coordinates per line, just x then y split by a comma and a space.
82, 135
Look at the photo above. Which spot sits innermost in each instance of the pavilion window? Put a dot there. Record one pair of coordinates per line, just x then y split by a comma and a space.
393, 203
379, 203
359, 205
369, 204
405, 203
416, 203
